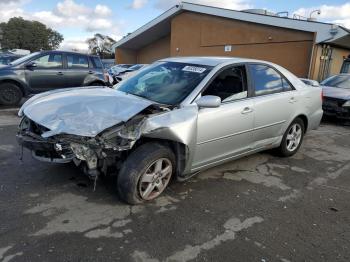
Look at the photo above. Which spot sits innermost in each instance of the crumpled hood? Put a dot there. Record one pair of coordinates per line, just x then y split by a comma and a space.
335, 92
82, 111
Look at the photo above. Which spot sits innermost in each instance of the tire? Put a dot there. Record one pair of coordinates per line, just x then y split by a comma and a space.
10, 94
138, 175
97, 84
292, 139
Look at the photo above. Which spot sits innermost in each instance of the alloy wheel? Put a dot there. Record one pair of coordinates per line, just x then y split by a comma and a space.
157, 176
294, 137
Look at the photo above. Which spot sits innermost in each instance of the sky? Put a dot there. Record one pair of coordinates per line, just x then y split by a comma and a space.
78, 20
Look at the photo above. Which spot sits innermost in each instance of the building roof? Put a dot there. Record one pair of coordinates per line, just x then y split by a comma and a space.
161, 25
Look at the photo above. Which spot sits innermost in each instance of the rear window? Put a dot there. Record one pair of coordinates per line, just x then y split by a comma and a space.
267, 80
96, 62
77, 61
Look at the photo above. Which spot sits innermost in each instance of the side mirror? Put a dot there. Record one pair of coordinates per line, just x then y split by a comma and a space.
209, 101
31, 65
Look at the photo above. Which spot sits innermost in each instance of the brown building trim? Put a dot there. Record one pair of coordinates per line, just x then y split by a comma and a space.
262, 43
204, 35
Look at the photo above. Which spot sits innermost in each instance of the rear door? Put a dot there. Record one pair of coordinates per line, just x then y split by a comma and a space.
99, 72
225, 131
275, 101
47, 73
77, 69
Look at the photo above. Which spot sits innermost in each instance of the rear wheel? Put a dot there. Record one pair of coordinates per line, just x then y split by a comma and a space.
146, 173
292, 138
10, 94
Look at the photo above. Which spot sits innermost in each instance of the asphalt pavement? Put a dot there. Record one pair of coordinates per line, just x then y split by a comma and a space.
259, 208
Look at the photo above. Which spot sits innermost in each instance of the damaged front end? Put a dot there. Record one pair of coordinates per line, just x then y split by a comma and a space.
110, 147
43, 149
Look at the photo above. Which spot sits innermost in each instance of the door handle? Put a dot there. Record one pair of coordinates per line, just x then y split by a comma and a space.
247, 110
60, 73
91, 72
292, 100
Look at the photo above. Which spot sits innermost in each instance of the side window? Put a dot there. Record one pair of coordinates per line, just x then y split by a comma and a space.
266, 80
77, 61
51, 61
229, 85
96, 62
286, 85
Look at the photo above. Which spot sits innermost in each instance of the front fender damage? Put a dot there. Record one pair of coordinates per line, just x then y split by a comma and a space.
178, 125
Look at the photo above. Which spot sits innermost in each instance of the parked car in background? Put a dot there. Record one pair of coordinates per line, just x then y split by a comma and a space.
336, 92
204, 112
6, 59
116, 70
129, 72
310, 82
48, 70
108, 63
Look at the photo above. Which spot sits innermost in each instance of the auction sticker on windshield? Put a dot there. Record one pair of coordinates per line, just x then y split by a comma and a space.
194, 69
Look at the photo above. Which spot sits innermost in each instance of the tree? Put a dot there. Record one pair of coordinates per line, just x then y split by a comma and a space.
101, 45
18, 33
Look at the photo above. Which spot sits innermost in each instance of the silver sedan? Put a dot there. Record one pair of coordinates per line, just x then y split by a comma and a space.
172, 119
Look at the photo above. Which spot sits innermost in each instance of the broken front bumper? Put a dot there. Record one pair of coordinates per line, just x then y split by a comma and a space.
44, 150
334, 107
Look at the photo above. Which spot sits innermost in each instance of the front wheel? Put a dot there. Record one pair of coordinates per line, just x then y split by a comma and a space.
292, 138
146, 173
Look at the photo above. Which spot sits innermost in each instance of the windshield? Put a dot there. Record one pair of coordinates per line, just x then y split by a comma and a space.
23, 59
165, 82
341, 81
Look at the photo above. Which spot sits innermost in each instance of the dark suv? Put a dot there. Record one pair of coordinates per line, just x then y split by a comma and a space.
48, 70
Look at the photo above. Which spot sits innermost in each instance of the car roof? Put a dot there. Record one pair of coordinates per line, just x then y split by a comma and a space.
66, 52
210, 60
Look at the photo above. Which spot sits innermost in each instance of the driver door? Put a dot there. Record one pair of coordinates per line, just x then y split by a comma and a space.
226, 131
